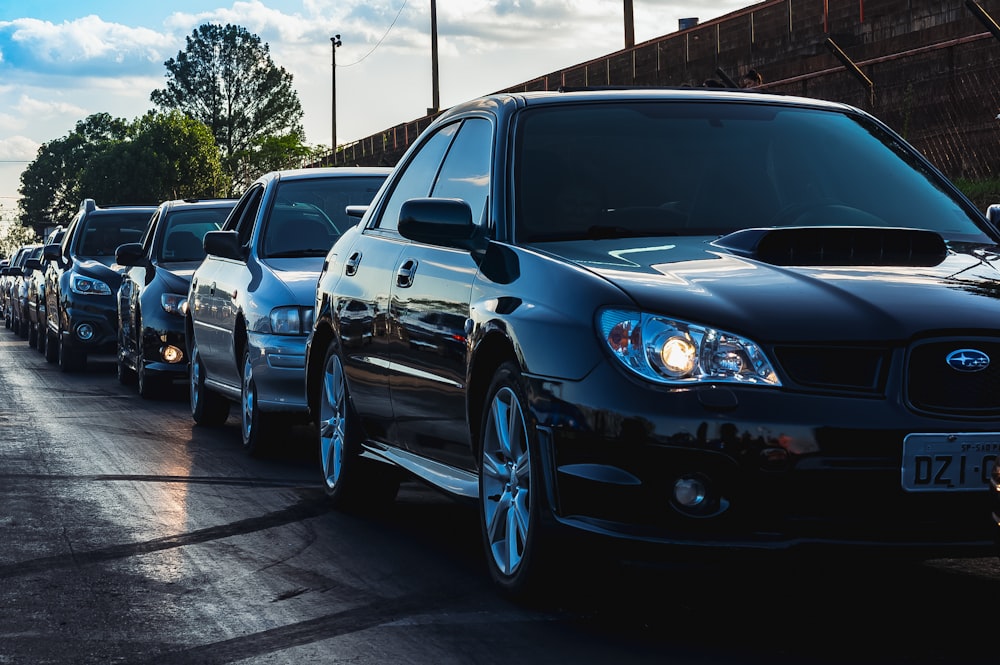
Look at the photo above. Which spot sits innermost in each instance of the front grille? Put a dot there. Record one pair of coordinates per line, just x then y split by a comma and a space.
934, 386
858, 369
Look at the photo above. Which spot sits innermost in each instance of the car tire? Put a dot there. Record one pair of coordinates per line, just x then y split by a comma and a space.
70, 360
352, 482
43, 338
51, 347
518, 549
256, 427
208, 408
32, 335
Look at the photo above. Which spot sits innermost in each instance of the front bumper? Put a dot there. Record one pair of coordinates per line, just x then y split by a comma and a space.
782, 470
278, 363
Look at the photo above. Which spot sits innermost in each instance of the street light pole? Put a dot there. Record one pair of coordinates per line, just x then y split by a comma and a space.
436, 96
334, 43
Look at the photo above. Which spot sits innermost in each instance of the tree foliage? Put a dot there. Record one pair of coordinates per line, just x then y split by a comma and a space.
225, 78
157, 157
169, 156
51, 184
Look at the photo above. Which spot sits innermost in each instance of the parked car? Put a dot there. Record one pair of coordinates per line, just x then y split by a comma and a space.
250, 303
34, 306
152, 350
701, 321
19, 291
82, 280
10, 276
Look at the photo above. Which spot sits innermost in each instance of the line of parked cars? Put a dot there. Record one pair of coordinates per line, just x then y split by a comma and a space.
688, 322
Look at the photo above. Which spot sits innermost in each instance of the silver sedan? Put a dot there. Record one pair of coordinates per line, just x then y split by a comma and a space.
250, 305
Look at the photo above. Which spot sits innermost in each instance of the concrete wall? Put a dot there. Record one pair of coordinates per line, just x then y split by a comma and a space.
933, 66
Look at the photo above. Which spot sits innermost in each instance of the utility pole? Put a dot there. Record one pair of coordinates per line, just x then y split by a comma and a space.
334, 43
436, 96
629, 25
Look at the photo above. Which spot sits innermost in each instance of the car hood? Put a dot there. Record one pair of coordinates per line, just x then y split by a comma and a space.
299, 275
693, 279
177, 276
103, 268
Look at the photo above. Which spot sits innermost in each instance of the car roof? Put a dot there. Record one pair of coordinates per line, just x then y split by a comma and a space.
575, 95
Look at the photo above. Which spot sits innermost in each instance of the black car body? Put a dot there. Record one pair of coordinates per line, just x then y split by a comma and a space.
82, 280
34, 305
19, 288
151, 345
701, 320
8, 275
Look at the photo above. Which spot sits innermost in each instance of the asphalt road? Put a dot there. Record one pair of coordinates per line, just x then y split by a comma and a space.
129, 536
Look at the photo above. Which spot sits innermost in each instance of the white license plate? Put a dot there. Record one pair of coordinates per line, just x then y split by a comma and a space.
948, 462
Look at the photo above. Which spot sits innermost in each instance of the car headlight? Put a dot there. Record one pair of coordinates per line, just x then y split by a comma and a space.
173, 303
88, 286
679, 353
291, 320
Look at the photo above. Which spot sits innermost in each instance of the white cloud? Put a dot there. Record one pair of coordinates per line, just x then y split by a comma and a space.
18, 148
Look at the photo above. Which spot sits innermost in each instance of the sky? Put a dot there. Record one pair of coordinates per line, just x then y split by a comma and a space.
64, 60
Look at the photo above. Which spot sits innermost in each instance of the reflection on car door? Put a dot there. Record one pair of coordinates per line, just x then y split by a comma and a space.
220, 280
428, 307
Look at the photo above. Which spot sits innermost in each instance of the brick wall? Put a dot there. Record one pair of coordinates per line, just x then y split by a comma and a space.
934, 66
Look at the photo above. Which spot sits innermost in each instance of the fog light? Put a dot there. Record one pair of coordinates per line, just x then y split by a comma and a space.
172, 354
689, 492
85, 332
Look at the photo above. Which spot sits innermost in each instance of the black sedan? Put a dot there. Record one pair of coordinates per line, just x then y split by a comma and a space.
152, 348
701, 321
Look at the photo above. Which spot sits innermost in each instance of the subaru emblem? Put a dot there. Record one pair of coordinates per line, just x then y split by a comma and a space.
968, 360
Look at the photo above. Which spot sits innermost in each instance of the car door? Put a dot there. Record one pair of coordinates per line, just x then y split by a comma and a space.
215, 287
429, 297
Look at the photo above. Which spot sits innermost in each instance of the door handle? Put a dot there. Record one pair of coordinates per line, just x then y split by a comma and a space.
351, 265
404, 276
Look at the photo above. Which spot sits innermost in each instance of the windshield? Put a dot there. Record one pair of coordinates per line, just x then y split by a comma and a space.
309, 215
185, 232
670, 168
103, 233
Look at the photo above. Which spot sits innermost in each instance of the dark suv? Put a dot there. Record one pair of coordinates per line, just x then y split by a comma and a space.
81, 280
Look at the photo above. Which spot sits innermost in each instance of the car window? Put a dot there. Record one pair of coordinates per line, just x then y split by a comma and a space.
102, 234
465, 173
185, 232
418, 175
308, 215
245, 213
690, 168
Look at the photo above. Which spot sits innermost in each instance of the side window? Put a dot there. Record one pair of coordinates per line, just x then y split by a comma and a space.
154, 222
242, 218
418, 175
466, 171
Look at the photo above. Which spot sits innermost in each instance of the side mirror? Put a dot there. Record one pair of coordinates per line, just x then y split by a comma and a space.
993, 214
225, 244
130, 254
443, 222
31, 265
52, 253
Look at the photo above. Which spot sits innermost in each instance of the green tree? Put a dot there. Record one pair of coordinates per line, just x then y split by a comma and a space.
156, 157
226, 79
167, 156
51, 188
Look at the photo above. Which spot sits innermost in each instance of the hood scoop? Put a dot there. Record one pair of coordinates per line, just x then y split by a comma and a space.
837, 246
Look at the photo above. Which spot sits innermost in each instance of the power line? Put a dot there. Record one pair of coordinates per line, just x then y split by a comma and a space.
379, 42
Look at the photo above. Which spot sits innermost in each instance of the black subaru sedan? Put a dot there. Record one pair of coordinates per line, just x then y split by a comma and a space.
697, 320
152, 347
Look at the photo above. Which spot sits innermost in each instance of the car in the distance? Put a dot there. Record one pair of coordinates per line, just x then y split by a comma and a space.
249, 307
20, 321
687, 323
35, 297
8, 275
152, 350
82, 280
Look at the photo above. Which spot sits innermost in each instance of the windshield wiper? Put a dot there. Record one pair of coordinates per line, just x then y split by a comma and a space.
293, 253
